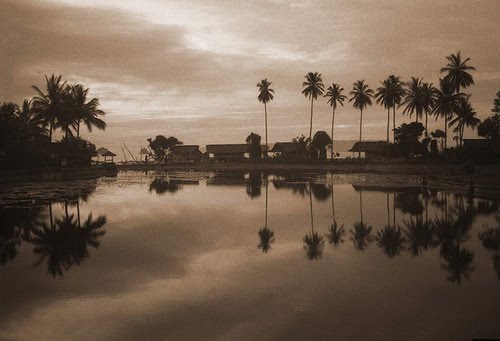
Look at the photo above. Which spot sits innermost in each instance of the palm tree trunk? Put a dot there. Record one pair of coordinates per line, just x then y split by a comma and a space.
426, 133
333, 122
445, 131
51, 216
50, 131
78, 130
394, 209
361, 206
78, 212
311, 207
388, 211
394, 124
311, 123
360, 130
266, 204
333, 205
265, 114
388, 125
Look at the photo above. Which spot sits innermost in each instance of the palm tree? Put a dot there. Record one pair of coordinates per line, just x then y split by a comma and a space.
413, 98
362, 96
335, 96
465, 117
49, 106
457, 74
313, 87
83, 110
385, 97
31, 125
265, 96
428, 101
398, 93
446, 104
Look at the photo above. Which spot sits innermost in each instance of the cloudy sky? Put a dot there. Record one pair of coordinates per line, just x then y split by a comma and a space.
190, 68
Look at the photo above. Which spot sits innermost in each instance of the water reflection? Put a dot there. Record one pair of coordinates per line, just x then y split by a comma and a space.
490, 238
313, 242
266, 235
63, 241
335, 232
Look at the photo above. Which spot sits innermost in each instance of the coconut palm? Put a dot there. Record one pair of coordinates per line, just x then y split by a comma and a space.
398, 93
413, 98
313, 87
457, 74
465, 117
384, 96
31, 125
362, 96
49, 106
335, 96
446, 103
265, 96
429, 93
83, 110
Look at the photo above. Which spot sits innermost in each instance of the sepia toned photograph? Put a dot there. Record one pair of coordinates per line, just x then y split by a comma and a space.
249, 170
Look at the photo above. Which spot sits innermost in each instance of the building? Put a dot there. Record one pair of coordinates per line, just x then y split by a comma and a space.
228, 152
185, 153
372, 149
289, 150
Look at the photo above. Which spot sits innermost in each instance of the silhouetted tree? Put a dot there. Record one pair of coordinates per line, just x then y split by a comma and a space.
447, 103
465, 117
265, 96
490, 127
313, 87
335, 96
361, 94
83, 110
255, 147
50, 105
161, 145
420, 235
457, 72
318, 145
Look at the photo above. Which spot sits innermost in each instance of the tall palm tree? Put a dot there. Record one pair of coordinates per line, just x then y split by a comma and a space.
446, 104
86, 111
457, 74
265, 96
313, 87
49, 106
465, 117
362, 96
428, 101
384, 97
398, 93
335, 96
413, 98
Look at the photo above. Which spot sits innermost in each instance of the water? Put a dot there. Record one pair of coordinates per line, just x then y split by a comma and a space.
184, 256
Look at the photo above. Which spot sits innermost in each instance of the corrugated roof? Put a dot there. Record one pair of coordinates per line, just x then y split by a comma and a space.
228, 148
369, 146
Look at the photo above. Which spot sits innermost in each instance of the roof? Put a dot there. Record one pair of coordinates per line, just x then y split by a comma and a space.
228, 148
144, 151
185, 148
101, 151
108, 153
369, 146
286, 147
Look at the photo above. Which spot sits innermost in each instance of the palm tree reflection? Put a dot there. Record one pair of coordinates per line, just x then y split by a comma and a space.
458, 263
65, 242
390, 238
420, 235
336, 233
313, 242
266, 235
490, 238
361, 232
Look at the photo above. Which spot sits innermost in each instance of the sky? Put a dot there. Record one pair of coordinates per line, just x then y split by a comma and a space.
190, 68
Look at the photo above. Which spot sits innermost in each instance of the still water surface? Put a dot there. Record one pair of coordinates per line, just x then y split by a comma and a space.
187, 256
